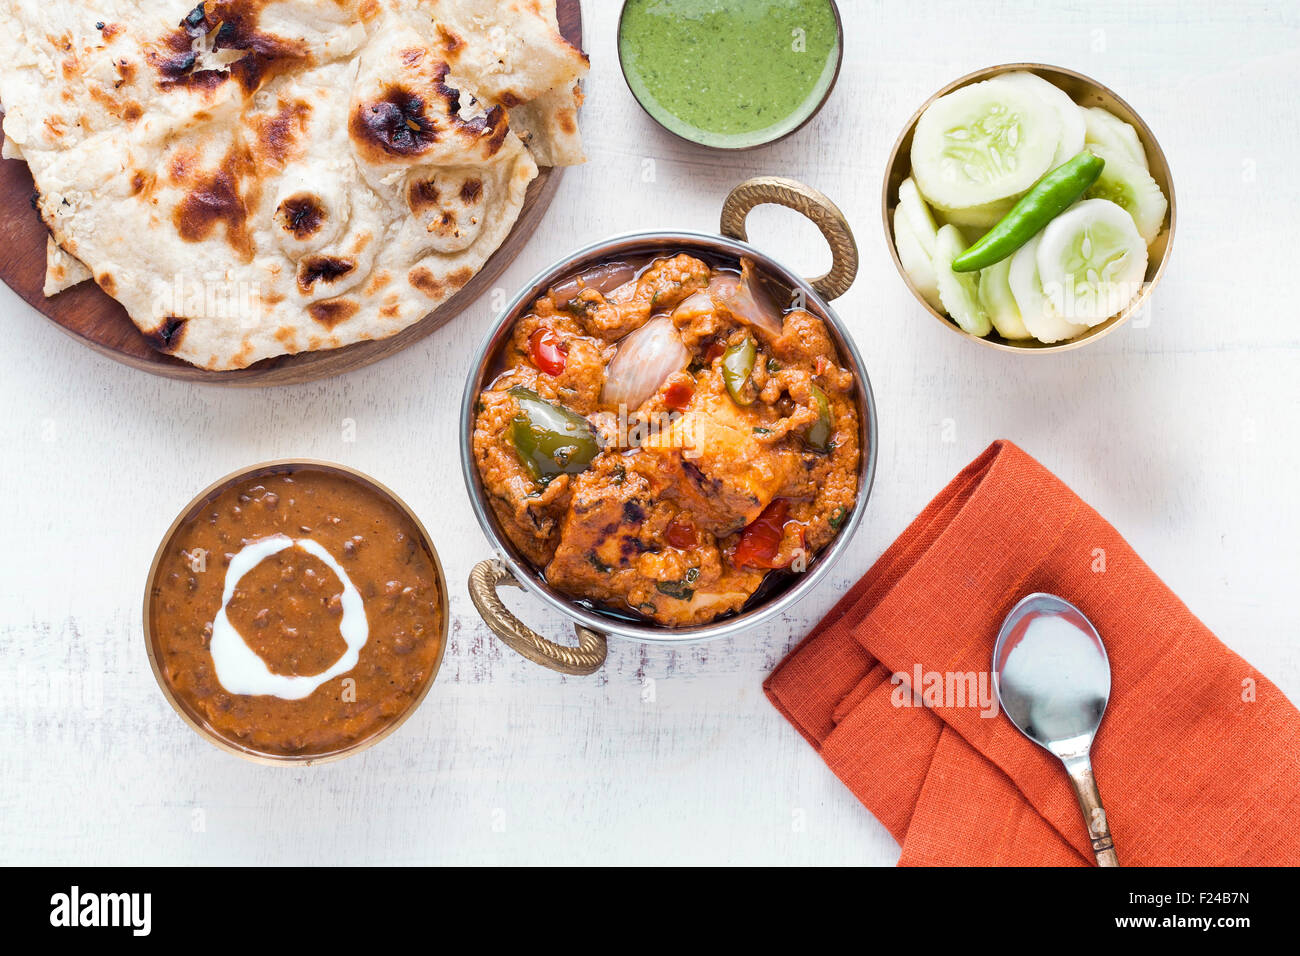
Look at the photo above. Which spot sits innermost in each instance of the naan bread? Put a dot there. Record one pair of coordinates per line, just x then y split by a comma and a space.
258, 177
62, 271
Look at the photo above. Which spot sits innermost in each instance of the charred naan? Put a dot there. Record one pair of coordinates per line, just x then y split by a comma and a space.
251, 178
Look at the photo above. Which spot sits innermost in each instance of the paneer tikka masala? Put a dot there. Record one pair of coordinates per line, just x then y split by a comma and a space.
662, 436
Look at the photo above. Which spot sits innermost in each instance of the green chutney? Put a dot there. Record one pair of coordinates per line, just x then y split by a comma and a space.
729, 73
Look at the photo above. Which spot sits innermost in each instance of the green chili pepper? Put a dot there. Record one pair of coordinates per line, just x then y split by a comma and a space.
818, 435
737, 366
549, 439
1048, 198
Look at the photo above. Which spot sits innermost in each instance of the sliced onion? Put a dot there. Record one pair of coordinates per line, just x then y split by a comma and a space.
693, 304
746, 300
644, 359
602, 278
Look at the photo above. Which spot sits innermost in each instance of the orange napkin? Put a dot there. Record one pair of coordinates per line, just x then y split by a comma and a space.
1198, 756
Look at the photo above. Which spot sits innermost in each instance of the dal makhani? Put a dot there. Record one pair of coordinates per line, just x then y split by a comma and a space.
297, 613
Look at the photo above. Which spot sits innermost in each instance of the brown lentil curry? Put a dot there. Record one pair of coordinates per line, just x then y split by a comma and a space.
288, 609
661, 437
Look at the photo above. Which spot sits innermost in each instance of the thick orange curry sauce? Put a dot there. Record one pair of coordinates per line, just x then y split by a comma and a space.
288, 609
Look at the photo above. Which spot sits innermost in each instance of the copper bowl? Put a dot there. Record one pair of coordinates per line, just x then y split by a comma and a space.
1085, 91
196, 720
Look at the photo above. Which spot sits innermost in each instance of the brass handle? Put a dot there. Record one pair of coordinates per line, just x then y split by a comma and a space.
806, 201
1094, 815
586, 658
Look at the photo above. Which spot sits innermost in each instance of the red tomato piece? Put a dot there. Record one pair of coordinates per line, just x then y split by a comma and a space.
760, 541
678, 395
547, 351
681, 533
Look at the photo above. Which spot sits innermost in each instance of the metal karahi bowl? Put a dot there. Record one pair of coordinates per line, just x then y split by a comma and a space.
201, 500
593, 624
1085, 91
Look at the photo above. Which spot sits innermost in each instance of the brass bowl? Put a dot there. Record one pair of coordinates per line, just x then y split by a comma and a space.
1085, 91
195, 720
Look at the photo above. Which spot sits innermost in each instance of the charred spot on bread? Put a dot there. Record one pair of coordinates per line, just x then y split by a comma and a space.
236, 26
302, 214
167, 337
491, 127
327, 269
125, 72
451, 43
177, 65
219, 197
282, 135
471, 190
333, 311
423, 194
404, 119
397, 123
423, 279
195, 21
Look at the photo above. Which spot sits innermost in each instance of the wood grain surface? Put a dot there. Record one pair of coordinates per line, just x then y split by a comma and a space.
97, 320
1182, 429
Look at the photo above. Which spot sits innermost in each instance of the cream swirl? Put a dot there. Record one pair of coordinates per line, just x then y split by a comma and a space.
240, 669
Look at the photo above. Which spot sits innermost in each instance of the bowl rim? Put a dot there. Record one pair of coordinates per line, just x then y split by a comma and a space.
200, 726
868, 435
1101, 330
830, 88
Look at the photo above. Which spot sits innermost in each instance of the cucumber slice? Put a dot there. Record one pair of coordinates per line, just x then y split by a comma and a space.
982, 143
1131, 187
1107, 131
999, 303
1073, 129
958, 291
1041, 320
983, 217
1091, 261
918, 215
916, 261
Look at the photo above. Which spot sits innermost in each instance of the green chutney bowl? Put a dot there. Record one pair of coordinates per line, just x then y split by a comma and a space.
731, 74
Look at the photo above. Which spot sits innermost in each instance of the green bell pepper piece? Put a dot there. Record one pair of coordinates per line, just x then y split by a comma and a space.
737, 366
549, 439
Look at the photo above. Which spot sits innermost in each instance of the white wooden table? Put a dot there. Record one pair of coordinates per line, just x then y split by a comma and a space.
1183, 434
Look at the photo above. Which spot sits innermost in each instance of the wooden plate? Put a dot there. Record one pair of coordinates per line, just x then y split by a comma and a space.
91, 316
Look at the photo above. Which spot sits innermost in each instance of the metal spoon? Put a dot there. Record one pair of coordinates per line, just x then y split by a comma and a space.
1052, 678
